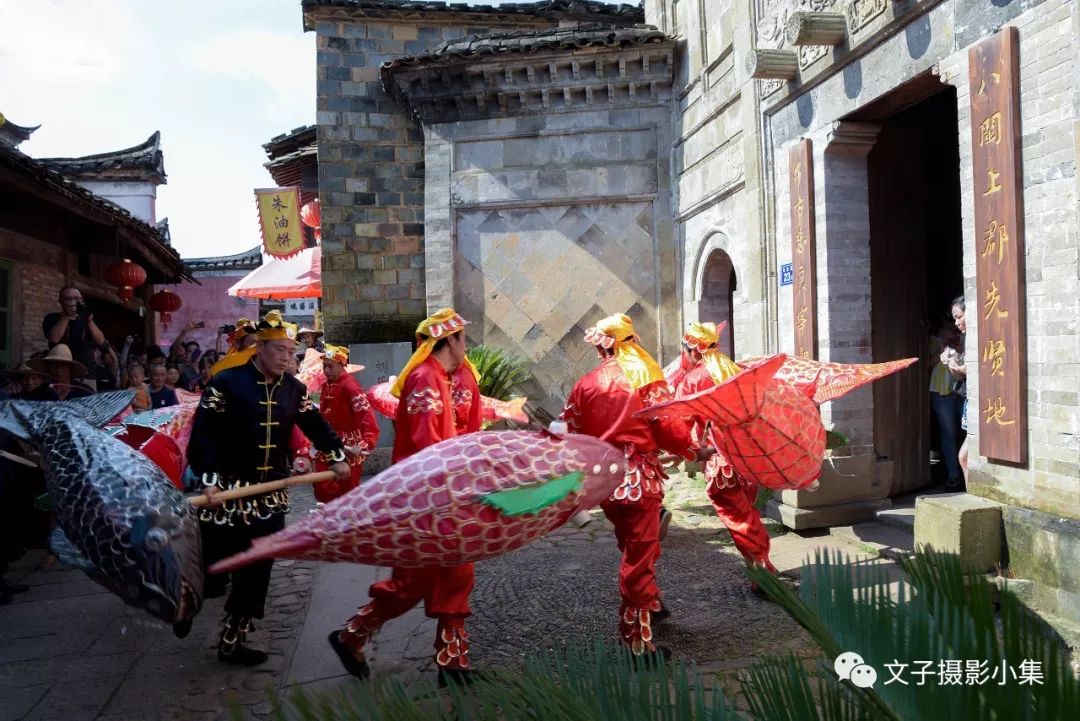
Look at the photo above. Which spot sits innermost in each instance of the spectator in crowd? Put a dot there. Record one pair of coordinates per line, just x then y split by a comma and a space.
172, 376
160, 394
106, 369
154, 356
205, 362
23, 381
310, 338
193, 351
136, 381
62, 370
74, 327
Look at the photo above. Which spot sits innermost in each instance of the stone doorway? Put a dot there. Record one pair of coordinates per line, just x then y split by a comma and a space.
717, 301
916, 268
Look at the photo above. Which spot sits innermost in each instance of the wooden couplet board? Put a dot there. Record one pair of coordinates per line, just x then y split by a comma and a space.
804, 285
999, 247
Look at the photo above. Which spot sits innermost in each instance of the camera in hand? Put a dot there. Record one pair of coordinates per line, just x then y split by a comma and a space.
227, 328
199, 324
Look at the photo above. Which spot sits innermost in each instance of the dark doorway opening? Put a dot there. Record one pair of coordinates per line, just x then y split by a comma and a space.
717, 304
916, 268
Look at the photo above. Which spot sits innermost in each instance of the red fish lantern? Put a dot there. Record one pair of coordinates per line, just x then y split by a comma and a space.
165, 302
766, 418
126, 276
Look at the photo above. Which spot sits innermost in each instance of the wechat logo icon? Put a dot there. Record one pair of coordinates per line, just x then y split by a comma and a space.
850, 666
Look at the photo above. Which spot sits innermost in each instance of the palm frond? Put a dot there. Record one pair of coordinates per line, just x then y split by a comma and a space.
500, 372
939, 615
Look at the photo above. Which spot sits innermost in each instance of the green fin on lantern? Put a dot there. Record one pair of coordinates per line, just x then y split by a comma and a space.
534, 497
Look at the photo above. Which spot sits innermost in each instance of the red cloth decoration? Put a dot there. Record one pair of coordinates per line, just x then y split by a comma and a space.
126, 276
159, 448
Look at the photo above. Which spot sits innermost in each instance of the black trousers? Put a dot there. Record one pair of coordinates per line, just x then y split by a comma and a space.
247, 598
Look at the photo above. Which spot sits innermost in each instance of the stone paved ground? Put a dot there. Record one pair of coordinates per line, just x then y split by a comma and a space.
69, 650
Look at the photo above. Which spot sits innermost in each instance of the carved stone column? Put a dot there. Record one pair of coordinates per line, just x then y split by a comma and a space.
772, 64
804, 28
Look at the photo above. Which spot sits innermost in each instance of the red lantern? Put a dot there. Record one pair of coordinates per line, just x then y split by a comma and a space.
310, 215
126, 276
165, 302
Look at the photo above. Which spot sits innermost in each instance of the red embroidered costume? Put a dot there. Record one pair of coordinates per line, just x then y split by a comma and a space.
346, 408
435, 405
731, 495
596, 403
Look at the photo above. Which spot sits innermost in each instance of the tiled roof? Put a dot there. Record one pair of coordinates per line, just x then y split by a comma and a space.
290, 142
144, 161
554, 9
12, 134
38, 172
248, 260
570, 38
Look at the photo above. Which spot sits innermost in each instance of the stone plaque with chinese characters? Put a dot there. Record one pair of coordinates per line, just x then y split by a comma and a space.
999, 248
804, 292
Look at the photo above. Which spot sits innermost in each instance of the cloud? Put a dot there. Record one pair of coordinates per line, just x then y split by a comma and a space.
283, 62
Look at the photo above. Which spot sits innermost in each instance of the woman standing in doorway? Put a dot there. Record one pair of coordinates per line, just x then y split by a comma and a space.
957, 366
946, 404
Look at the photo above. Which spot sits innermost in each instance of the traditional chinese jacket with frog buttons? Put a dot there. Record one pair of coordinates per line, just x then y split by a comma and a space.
597, 402
435, 406
240, 435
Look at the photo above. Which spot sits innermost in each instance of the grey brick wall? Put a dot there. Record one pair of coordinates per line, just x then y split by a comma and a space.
371, 179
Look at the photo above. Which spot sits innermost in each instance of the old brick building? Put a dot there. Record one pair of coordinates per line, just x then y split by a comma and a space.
490, 157
54, 231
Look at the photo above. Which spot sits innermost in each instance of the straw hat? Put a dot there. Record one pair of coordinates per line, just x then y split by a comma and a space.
23, 371
59, 353
305, 329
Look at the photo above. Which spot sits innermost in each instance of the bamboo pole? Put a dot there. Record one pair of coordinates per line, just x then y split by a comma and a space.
198, 500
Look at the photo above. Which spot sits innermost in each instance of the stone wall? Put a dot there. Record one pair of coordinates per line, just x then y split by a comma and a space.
715, 167
371, 176
540, 226
937, 40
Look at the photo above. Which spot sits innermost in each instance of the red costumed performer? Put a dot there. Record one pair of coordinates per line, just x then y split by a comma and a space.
345, 407
732, 496
437, 403
628, 377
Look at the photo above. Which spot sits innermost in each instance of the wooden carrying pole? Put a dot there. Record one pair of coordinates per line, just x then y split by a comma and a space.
198, 500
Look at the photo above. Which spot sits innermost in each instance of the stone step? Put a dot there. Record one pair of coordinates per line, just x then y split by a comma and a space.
902, 518
882, 539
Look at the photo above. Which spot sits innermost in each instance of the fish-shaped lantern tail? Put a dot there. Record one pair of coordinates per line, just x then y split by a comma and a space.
119, 517
824, 382
22, 418
466, 499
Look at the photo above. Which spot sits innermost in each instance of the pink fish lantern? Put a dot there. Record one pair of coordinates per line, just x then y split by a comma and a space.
465, 499
770, 429
384, 402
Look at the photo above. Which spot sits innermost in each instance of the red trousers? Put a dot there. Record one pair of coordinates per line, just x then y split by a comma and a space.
444, 591
734, 505
637, 531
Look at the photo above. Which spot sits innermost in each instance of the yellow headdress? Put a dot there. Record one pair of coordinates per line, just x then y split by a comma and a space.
242, 327
274, 327
617, 331
703, 338
337, 353
232, 359
440, 325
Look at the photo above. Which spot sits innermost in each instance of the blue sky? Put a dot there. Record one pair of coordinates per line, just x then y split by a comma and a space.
218, 78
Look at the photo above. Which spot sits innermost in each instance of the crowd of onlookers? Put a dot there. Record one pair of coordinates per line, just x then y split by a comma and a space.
81, 361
